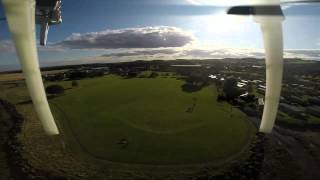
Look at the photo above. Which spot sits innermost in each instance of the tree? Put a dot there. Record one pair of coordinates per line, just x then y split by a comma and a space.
132, 74
219, 85
153, 75
194, 82
74, 84
230, 89
194, 79
220, 98
250, 88
54, 89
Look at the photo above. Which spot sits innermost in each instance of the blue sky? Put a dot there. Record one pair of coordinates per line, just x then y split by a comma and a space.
212, 31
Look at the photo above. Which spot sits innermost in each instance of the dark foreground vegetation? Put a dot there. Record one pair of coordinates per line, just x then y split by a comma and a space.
19, 166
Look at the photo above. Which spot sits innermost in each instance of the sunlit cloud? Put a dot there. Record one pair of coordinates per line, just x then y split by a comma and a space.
194, 2
145, 37
311, 54
221, 23
230, 2
193, 52
241, 2
144, 52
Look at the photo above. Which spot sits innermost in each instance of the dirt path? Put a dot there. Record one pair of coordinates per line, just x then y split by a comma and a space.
293, 155
298, 146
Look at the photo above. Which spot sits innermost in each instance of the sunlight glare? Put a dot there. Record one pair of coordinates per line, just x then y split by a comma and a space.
218, 2
222, 23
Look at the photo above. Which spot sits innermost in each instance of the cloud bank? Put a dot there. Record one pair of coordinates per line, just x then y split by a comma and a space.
143, 53
145, 37
145, 43
200, 53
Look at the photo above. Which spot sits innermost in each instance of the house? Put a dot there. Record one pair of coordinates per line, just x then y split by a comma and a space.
294, 111
314, 101
240, 84
104, 70
261, 90
212, 76
260, 102
246, 97
258, 67
314, 110
54, 77
250, 111
262, 86
297, 100
256, 81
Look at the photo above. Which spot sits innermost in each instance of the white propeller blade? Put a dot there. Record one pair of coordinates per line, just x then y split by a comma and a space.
271, 27
20, 16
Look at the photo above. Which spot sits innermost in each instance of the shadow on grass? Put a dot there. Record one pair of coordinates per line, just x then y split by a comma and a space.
24, 102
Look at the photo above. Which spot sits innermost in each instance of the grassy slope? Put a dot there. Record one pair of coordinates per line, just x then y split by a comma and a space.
151, 114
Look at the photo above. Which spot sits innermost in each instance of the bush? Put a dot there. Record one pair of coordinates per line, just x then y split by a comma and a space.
54, 89
153, 75
221, 98
132, 74
74, 84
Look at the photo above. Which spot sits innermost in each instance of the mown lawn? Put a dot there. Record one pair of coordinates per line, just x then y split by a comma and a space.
160, 123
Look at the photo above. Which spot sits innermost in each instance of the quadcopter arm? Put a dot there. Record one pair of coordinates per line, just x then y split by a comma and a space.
21, 20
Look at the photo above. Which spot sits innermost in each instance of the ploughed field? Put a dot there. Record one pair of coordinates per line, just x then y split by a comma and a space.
150, 121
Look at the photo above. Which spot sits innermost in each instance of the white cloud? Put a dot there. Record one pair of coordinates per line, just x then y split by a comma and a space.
311, 54
145, 37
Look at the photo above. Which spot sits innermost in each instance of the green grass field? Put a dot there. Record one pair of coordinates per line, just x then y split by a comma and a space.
161, 123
